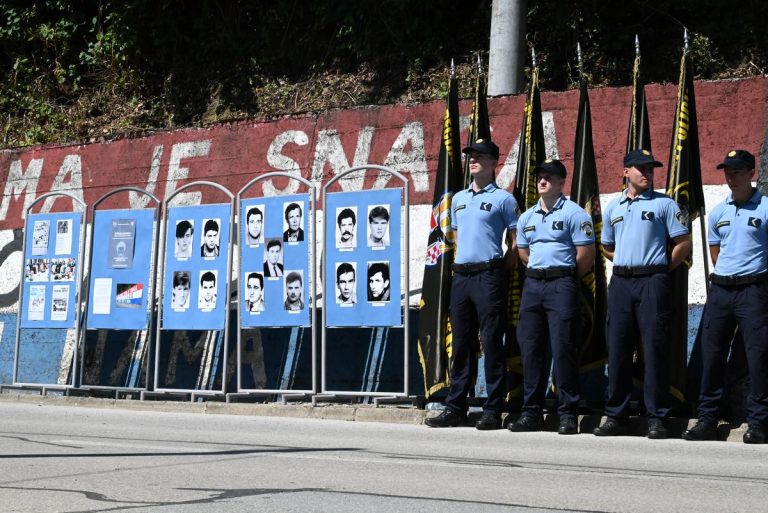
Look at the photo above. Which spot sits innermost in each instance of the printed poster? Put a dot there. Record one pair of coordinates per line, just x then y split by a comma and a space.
40, 233
59, 302
64, 236
36, 306
122, 239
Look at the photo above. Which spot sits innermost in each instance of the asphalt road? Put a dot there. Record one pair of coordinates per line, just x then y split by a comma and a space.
71, 459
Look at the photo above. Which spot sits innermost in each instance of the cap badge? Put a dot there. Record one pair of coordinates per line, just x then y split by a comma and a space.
548, 161
646, 152
480, 140
732, 153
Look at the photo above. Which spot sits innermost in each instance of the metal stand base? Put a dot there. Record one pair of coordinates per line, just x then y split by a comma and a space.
414, 401
41, 389
193, 396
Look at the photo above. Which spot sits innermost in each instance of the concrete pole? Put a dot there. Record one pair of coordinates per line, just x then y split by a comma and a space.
507, 53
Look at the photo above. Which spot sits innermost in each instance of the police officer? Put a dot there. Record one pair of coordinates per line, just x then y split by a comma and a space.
480, 215
738, 243
555, 239
637, 227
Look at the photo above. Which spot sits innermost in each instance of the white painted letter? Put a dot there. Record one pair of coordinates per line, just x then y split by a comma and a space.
413, 160
282, 163
137, 200
71, 166
329, 149
181, 151
18, 181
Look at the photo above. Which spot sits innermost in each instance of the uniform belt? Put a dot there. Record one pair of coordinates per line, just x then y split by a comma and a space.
735, 281
496, 263
550, 273
646, 270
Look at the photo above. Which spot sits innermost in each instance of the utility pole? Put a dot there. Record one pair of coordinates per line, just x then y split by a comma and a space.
507, 52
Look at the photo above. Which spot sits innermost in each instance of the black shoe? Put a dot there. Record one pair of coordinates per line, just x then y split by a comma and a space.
446, 419
568, 426
755, 434
611, 427
703, 430
526, 423
489, 421
656, 429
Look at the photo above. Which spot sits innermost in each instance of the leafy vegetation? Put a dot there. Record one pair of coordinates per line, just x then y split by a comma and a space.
83, 69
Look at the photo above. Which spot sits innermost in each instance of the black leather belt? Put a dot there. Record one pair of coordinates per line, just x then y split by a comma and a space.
735, 281
479, 266
549, 273
647, 270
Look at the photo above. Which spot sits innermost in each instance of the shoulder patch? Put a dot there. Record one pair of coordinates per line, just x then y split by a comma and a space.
682, 216
586, 227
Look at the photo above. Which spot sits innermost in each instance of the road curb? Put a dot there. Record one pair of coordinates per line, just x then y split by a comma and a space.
346, 412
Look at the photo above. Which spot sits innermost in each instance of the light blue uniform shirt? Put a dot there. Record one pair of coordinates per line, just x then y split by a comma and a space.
742, 234
551, 237
639, 228
480, 219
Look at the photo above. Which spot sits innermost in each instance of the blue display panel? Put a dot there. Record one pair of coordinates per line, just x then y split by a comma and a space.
51, 262
363, 258
195, 279
274, 261
121, 264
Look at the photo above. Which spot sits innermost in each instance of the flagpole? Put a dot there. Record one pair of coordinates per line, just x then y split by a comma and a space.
703, 231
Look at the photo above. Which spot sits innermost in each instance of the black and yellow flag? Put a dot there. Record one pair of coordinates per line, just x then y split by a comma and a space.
685, 187
434, 325
479, 124
593, 287
639, 130
531, 152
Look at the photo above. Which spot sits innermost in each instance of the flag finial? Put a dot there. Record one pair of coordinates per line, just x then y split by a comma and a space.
453, 69
479, 65
637, 46
578, 54
685, 38
533, 57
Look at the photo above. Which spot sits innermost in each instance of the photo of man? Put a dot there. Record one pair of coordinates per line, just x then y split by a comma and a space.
254, 292
346, 220
181, 286
209, 245
293, 291
378, 282
273, 263
254, 218
294, 232
184, 231
378, 226
345, 283
206, 299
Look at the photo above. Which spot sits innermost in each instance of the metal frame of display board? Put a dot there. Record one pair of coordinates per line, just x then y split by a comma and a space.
78, 306
194, 393
404, 292
152, 284
312, 244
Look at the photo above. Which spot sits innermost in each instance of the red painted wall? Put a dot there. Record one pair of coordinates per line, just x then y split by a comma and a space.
730, 114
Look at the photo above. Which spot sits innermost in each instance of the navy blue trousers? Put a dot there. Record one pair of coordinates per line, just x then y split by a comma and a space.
478, 302
747, 306
642, 305
549, 316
